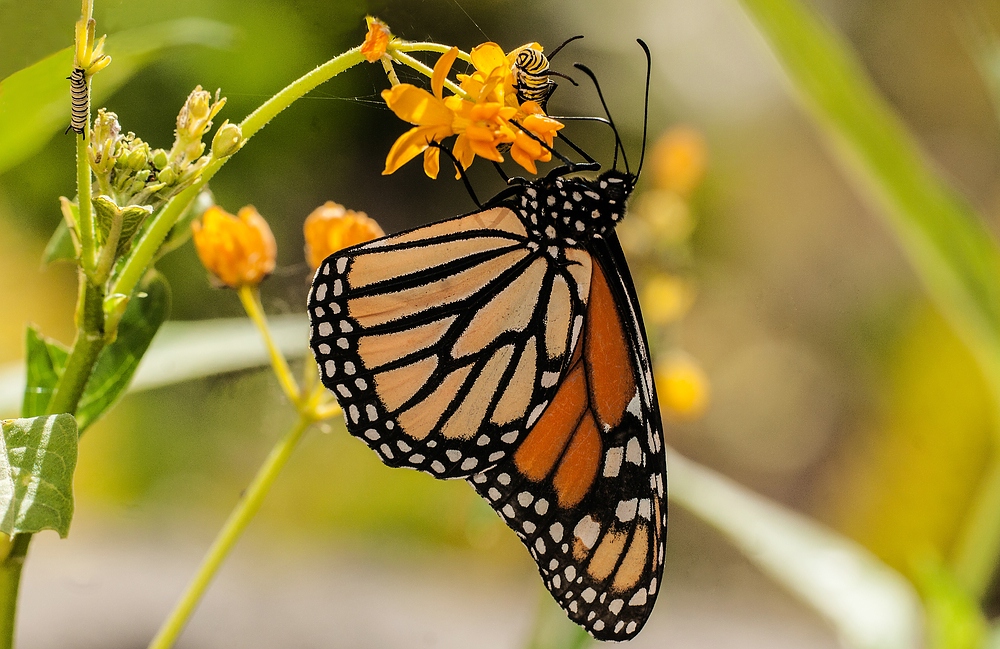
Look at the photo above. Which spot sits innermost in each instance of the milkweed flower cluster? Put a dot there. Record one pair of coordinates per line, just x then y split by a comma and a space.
483, 111
661, 233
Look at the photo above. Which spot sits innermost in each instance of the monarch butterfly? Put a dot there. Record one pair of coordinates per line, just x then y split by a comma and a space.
80, 99
505, 347
532, 77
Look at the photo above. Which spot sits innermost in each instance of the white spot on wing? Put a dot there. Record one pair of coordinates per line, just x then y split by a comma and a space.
587, 530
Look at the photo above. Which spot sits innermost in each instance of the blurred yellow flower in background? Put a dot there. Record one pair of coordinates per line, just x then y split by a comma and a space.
666, 299
238, 250
332, 227
682, 387
679, 159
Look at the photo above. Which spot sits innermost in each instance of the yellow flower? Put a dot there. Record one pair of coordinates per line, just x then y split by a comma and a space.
331, 227
433, 119
238, 250
376, 40
679, 160
487, 119
665, 299
682, 387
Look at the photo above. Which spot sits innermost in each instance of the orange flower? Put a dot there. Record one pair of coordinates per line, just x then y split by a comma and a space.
526, 150
238, 250
376, 40
331, 227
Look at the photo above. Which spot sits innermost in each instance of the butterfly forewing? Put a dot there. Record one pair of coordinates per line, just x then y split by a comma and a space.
585, 490
444, 343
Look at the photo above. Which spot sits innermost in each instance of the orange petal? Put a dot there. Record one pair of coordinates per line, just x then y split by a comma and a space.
441, 70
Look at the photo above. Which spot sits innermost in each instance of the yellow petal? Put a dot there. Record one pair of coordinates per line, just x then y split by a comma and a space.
416, 105
488, 57
407, 147
441, 70
432, 161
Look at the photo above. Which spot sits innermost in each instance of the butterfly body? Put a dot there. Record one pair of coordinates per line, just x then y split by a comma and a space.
506, 347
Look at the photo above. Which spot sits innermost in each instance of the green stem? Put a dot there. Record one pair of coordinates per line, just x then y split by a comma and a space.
10, 580
425, 70
250, 297
87, 347
85, 220
145, 250
237, 522
428, 47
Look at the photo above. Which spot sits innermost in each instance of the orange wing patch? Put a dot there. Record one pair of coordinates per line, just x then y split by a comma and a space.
566, 443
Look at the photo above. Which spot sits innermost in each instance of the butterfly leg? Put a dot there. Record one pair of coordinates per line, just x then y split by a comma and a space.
460, 170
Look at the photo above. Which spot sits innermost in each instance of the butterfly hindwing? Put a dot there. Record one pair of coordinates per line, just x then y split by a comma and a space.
443, 343
585, 490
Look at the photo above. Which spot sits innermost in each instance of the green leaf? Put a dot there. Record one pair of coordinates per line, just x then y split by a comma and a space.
106, 212
184, 351
46, 359
34, 102
119, 223
945, 240
36, 474
60, 246
869, 605
118, 361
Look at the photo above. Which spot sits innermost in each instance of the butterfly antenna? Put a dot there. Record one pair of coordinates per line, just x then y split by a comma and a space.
645, 110
564, 44
611, 121
553, 73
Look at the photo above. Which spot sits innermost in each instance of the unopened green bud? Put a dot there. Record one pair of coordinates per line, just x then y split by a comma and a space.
227, 141
167, 176
160, 159
138, 157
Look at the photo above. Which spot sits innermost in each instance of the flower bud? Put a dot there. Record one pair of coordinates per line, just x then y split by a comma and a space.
160, 159
138, 155
104, 142
682, 387
238, 250
196, 115
227, 141
376, 40
331, 227
679, 159
167, 176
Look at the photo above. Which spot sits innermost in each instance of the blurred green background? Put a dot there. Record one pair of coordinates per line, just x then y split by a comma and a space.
836, 388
